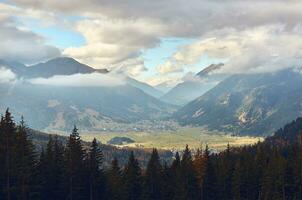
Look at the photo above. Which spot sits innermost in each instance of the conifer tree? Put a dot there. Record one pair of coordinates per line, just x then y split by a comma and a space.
8, 145
189, 182
153, 178
168, 185
95, 168
174, 179
132, 183
74, 158
114, 177
52, 170
226, 169
25, 161
209, 191
2, 157
199, 167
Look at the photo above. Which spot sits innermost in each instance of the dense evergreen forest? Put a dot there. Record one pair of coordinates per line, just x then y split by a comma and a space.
269, 170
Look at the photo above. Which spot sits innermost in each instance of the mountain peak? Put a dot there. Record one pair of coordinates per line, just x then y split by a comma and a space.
209, 69
60, 61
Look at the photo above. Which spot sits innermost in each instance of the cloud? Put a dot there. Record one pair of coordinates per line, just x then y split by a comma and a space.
19, 43
6, 75
183, 18
113, 43
82, 80
169, 67
261, 49
131, 67
117, 32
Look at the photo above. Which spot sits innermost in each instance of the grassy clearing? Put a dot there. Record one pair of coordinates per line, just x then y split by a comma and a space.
194, 137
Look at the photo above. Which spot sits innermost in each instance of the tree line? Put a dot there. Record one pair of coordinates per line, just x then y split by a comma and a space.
264, 171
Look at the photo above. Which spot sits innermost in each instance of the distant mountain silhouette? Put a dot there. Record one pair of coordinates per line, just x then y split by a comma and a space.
191, 89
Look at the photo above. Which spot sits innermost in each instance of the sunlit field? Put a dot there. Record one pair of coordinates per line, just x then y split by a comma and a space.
194, 137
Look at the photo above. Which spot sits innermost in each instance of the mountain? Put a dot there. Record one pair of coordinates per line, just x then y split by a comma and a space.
58, 66
291, 133
16, 67
148, 89
254, 104
164, 87
60, 107
190, 89
68, 66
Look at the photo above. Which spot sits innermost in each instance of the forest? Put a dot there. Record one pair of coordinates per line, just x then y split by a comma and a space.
268, 170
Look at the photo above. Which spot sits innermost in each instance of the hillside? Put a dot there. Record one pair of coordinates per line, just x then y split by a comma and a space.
40, 140
59, 108
65, 66
254, 104
190, 89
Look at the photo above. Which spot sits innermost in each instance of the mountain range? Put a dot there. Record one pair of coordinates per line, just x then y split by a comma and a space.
60, 107
248, 104
253, 104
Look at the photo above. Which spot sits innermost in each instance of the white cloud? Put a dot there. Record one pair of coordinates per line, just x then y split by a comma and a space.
186, 16
83, 80
131, 67
116, 32
261, 49
20, 44
6, 75
114, 43
169, 67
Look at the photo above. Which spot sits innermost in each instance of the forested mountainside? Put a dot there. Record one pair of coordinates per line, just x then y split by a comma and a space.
250, 104
267, 170
40, 141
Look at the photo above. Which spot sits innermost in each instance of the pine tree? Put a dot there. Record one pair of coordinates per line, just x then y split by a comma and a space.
132, 183
226, 170
25, 161
153, 178
52, 170
96, 176
8, 145
174, 179
169, 185
40, 175
114, 177
74, 157
209, 190
189, 181
2, 157
199, 167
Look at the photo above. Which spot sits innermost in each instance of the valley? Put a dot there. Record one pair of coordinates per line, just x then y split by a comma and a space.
210, 107
195, 137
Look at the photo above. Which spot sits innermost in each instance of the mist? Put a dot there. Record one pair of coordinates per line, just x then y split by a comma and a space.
82, 80
6, 75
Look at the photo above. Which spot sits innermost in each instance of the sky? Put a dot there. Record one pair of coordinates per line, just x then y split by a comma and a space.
155, 41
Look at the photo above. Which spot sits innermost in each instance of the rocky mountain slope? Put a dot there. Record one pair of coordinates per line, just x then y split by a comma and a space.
255, 104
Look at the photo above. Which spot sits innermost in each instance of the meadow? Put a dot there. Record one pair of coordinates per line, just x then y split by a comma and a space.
193, 136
